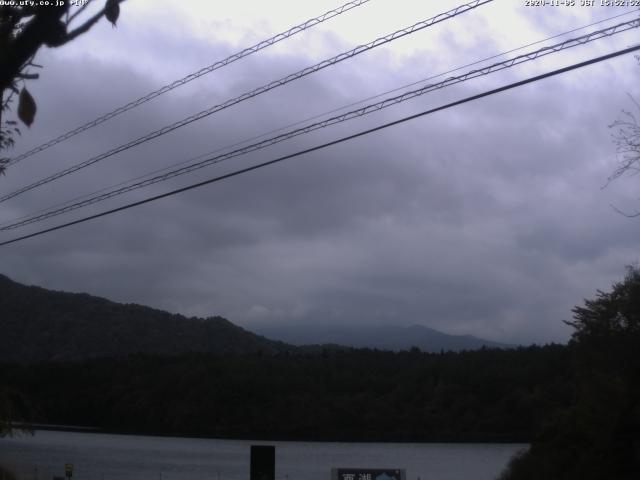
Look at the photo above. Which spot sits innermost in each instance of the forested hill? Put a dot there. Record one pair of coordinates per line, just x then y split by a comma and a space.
38, 325
349, 395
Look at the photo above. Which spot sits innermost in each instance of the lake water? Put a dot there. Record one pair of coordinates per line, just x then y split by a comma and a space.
129, 457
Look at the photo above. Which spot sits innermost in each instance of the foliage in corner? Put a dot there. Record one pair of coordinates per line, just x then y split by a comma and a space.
626, 138
599, 435
6, 474
15, 409
24, 29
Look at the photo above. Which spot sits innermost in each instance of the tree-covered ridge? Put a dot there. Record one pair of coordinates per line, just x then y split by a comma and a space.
367, 395
598, 435
579, 403
39, 325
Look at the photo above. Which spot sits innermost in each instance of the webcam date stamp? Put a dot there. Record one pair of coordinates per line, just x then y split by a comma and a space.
582, 3
44, 3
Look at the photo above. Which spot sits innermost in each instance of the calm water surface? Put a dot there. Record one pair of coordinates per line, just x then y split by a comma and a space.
128, 457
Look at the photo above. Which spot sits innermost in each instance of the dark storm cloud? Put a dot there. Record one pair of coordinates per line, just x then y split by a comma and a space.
486, 219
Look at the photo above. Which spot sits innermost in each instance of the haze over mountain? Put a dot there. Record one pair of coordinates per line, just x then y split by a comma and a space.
37, 324
384, 337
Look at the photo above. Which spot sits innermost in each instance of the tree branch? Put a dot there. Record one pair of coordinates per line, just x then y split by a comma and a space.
628, 215
86, 25
83, 28
39, 30
78, 12
28, 76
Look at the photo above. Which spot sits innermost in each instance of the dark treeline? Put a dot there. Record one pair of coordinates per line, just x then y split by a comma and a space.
598, 436
485, 395
578, 405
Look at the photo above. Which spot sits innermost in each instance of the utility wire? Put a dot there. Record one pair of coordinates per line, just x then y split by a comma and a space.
265, 88
331, 143
314, 117
308, 119
203, 71
412, 84
570, 43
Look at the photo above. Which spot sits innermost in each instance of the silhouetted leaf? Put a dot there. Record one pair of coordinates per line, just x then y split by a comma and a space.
112, 11
56, 34
26, 107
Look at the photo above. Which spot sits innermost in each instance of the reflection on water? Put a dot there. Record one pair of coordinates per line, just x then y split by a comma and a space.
129, 457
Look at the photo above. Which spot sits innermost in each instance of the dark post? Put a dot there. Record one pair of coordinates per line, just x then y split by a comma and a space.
263, 462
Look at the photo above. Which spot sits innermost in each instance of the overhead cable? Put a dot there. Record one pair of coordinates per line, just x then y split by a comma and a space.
265, 88
331, 143
203, 71
570, 43
308, 119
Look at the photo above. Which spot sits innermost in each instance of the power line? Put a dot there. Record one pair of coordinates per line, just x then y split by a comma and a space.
314, 117
320, 115
412, 84
308, 119
265, 88
203, 71
334, 120
569, 43
331, 143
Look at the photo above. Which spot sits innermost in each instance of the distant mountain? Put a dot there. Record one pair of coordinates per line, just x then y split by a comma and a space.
380, 337
38, 325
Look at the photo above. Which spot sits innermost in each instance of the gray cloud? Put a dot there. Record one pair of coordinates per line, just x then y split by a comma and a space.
486, 219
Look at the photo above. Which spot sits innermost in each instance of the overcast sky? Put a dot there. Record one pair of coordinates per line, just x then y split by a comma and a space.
487, 219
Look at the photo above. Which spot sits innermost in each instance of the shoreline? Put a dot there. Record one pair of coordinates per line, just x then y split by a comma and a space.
471, 439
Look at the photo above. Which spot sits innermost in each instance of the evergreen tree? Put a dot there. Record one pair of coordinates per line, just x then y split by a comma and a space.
598, 437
